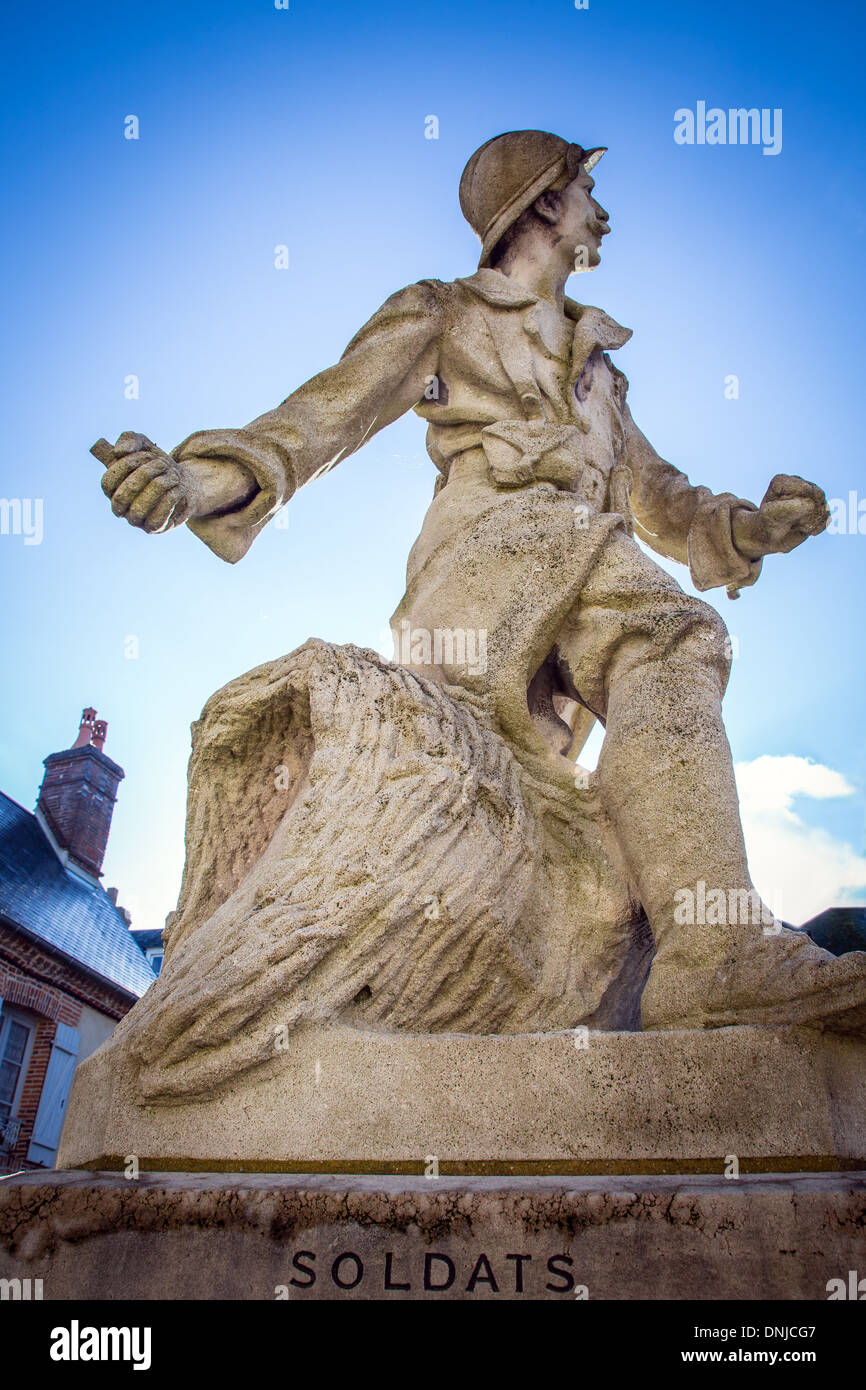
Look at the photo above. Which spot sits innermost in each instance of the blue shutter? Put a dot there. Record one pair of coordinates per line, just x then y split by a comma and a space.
55, 1093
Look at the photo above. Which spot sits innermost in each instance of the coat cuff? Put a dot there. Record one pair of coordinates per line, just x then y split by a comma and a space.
714, 559
231, 534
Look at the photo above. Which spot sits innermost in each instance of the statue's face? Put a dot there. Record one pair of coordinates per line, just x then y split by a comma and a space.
582, 221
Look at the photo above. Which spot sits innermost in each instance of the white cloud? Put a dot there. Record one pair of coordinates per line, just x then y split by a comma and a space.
798, 869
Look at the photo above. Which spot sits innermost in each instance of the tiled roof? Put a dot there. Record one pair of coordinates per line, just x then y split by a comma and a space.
147, 938
839, 929
45, 899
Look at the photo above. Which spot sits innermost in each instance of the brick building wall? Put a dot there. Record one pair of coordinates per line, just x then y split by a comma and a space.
51, 990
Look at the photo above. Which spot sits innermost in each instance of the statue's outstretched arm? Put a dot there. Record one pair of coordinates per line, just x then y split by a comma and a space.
227, 484
721, 537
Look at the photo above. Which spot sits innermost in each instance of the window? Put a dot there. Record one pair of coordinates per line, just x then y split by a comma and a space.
14, 1042
155, 958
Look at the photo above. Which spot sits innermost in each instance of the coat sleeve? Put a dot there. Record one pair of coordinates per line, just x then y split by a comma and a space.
683, 522
382, 373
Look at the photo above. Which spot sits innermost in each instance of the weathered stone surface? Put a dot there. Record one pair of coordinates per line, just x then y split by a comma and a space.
363, 847
404, 847
98, 1236
349, 1100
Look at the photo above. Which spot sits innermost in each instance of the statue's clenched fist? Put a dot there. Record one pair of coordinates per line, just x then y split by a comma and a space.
792, 509
148, 487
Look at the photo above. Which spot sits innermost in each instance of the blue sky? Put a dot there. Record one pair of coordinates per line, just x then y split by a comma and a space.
306, 127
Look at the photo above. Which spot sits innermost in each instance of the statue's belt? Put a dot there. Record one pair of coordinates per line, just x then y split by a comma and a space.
523, 452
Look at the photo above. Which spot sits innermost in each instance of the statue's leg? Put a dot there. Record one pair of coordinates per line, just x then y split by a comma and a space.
653, 662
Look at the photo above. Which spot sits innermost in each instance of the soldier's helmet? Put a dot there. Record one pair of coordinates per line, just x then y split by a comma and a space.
505, 176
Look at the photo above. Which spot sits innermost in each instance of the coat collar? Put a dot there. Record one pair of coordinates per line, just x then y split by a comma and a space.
497, 289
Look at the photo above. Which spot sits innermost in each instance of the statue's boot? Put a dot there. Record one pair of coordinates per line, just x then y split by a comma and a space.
715, 976
667, 780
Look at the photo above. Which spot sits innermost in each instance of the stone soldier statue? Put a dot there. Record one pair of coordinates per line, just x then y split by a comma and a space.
545, 486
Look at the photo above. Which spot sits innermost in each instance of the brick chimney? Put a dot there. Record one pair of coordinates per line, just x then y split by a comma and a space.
78, 793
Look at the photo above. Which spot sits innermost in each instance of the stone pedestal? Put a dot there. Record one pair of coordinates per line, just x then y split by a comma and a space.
343, 1126
344, 1100
267, 1236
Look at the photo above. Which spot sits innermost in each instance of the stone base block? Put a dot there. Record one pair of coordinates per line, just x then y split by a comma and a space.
211, 1236
342, 1100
